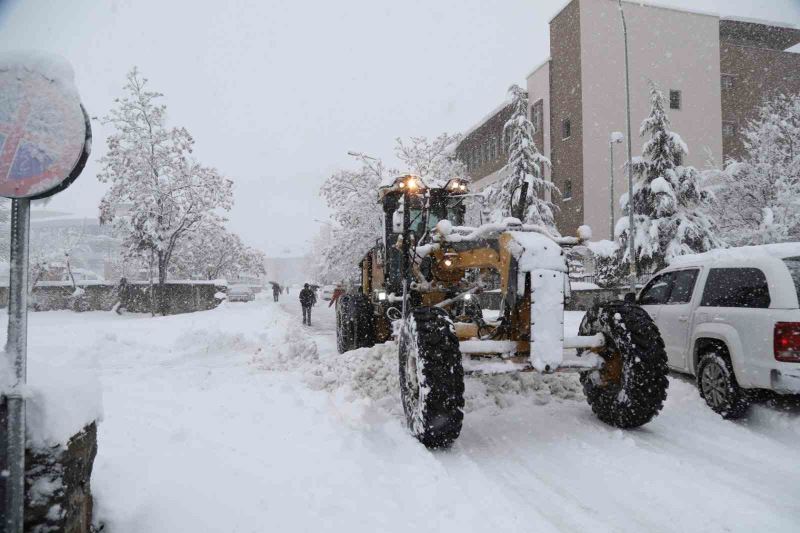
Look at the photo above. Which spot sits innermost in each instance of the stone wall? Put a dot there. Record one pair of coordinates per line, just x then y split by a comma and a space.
58, 495
182, 297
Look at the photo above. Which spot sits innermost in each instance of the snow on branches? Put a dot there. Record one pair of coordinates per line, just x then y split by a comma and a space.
434, 161
669, 203
352, 196
158, 193
521, 192
213, 252
758, 198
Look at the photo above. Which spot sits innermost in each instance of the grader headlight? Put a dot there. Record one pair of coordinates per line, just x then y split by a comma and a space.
457, 186
412, 184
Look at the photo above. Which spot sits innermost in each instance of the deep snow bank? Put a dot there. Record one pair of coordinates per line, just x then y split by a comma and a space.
371, 374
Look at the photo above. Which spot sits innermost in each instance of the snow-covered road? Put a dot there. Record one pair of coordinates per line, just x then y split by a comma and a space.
241, 420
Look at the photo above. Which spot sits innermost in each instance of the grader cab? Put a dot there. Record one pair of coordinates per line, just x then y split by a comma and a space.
420, 284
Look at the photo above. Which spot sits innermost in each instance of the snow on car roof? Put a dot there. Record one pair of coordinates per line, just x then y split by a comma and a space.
741, 253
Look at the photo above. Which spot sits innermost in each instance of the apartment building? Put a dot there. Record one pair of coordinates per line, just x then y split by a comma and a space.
715, 72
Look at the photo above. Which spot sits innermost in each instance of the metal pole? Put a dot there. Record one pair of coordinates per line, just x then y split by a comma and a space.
405, 249
631, 228
16, 351
611, 192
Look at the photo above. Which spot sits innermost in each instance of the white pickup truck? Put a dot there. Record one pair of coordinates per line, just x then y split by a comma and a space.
732, 319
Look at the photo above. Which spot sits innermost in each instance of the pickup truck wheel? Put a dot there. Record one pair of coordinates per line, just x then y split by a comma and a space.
431, 377
719, 388
630, 389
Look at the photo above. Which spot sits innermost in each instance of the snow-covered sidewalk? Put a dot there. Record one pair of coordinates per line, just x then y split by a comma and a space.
242, 420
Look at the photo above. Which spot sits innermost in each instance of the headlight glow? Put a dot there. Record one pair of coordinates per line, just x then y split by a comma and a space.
448, 262
381, 296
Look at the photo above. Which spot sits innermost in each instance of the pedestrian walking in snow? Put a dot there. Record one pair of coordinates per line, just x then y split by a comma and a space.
307, 300
276, 292
123, 296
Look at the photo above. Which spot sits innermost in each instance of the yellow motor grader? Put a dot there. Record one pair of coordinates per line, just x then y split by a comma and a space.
420, 285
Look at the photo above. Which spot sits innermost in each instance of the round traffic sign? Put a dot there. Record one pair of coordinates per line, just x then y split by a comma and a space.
45, 134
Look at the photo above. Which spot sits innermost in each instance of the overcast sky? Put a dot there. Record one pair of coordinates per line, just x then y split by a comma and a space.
276, 92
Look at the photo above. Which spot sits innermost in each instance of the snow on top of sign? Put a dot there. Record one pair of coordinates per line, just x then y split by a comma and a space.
51, 66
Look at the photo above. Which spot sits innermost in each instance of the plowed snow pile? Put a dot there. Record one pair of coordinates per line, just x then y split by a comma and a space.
372, 374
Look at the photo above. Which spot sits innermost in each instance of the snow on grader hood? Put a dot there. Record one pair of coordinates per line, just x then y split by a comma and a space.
419, 285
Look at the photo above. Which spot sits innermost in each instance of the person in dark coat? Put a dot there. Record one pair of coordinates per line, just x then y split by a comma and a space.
276, 291
123, 296
307, 300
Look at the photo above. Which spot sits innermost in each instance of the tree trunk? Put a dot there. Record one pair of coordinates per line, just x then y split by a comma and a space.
522, 203
163, 301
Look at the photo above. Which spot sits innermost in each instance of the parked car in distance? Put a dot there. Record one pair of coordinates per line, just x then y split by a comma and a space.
326, 292
241, 293
731, 318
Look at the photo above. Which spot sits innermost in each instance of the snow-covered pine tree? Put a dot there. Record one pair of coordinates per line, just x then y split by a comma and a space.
521, 193
670, 207
758, 198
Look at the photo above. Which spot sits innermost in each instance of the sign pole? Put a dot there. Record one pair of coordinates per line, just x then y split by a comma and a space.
16, 352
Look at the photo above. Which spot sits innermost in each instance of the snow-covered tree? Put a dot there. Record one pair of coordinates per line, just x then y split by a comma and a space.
433, 160
158, 195
352, 196
521, 192
758, 198
670, 207
213, 252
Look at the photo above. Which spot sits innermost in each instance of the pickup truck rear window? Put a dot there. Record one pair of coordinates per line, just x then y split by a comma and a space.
736, 287
794, 270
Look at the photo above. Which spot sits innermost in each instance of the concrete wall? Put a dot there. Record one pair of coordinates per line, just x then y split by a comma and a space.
756, 74
484, 149
538, 83
181, 297
675, 49
566, 154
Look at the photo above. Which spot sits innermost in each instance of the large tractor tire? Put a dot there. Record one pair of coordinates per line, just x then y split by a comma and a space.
344, 339
630, 389
355, 325
364, 330
431, 377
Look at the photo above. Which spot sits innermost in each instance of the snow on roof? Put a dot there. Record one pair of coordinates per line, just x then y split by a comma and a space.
537, 67
485, 119
764, 22
659, 5
763, 251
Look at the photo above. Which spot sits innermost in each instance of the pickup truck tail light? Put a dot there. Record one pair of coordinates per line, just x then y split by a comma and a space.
787, 342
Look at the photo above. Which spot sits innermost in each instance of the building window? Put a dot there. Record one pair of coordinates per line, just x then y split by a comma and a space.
727, 81
536, 115
566, 129
674, 99
728, 129
567, 189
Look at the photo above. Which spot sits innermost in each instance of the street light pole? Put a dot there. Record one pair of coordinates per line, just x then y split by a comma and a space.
631, 228
616, 138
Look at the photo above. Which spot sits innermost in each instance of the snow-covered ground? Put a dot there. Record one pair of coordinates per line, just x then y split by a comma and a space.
242, 420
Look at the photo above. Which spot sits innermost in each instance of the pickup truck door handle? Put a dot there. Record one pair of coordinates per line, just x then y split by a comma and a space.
683, 318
